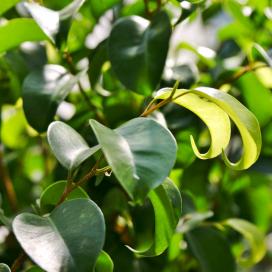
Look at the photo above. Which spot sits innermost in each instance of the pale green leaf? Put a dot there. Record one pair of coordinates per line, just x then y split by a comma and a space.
215, 118
4, 268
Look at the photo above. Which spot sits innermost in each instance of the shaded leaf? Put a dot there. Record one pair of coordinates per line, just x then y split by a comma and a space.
52, 194
253, 236
141, 154
166, 201
137, 51
4, 268
211, 250
58, 242
258, 53
43, 91
68, 145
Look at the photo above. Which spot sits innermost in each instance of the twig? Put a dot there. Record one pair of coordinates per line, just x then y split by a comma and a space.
7, 182
18, 262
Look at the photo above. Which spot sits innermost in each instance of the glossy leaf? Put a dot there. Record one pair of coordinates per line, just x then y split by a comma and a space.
166, 201
58, 242
71, 9
68, 145
4, 268
104, 263
253, 236
141, 154
211, 250
7, 4
52, 194
215, 118
137, 51
246, 123
43, 91
47, 19
23, 29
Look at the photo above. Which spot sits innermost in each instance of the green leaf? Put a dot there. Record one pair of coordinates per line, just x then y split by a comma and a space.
211, 250
23, 29
138, 50
246, 123
47, 19
34, 269
52, 194
98, 7
258, 53
71, 9
68, 145
215, 118
104, 263
59, 242
7, 4
43, 91
141, 154
4, 268
257, 99
253, 236
166, 201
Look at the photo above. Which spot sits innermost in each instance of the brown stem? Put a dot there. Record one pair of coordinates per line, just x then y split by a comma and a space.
18, 262
147, 11
7, 182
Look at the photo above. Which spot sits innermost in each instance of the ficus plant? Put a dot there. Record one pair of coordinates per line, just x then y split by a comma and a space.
111, 144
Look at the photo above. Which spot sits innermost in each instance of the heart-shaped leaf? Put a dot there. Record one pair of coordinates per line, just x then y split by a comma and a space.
166, 201
23, 29
211, 250
59, 242
141, 154
52, 194
215, 118
68, 145
138, 50
253, 236
43, 90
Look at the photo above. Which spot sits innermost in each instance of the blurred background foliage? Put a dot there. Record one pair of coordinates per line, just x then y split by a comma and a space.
213, 43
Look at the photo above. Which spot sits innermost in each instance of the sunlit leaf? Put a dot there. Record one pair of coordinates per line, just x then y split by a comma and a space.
69, 239
141, 154
7, 4
23, 29
104, 263
253, 236
68, 145
258, 53
215, 118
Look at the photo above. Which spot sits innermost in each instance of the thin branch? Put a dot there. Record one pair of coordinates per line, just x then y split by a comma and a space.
18, 262
7, 182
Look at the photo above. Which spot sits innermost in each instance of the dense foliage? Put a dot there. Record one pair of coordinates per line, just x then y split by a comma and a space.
135, 135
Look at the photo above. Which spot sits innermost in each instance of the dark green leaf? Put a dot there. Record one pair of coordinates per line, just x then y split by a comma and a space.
70, 239
68, 145
141, 153
4, 268
137, 51
52, 194
211, 250
43, 91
